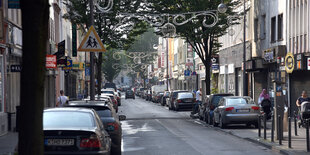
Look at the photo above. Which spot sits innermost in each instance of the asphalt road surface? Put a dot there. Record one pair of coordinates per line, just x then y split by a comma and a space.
151, 129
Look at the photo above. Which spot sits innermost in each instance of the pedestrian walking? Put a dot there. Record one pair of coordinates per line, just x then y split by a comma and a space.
62, 99
263, 96
198, 101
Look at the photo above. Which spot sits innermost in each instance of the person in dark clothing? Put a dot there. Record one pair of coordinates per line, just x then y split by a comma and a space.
302, 98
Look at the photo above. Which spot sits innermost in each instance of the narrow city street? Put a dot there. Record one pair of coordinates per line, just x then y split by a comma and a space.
151, 129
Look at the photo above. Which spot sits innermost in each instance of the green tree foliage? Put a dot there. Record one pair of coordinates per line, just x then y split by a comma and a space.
113, 33
109, 72
202, 39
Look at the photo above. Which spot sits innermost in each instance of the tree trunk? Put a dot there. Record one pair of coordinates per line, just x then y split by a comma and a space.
207, 72
35, 16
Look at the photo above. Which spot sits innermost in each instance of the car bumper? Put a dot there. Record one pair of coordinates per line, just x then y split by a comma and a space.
185, 105
240, 118
78, 153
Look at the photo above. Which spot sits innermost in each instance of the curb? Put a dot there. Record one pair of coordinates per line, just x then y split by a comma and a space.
272, 146
257, 140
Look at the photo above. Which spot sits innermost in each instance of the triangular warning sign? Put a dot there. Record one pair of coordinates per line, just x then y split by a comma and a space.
91, 42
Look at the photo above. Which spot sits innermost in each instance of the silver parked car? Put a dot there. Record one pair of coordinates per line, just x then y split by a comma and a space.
236, 110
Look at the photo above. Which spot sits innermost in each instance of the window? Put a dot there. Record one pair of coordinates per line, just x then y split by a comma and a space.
263, 27
280, 27
273, 29
255, 29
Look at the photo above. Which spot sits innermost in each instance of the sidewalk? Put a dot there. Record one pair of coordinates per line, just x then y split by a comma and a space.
8, 143
298, 142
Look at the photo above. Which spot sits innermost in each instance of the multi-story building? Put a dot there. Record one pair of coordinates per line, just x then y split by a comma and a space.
268, 44
231, 54
297, 41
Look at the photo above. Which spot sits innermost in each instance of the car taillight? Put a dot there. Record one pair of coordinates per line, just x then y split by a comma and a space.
179, 101
92, 142
112, 126
229, 109
255, 108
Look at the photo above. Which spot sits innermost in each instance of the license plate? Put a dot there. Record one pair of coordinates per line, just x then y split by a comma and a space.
189, 100
243, 110
59, 142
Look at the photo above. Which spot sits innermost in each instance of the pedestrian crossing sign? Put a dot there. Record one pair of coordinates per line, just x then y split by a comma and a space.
91, 42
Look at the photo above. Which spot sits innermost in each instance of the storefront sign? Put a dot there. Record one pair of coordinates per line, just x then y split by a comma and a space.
308, 60
68, 66
16, 68
78, 66
74, 40
289, 62
269, 56
51, 61
299, 61
62, 62
61, 49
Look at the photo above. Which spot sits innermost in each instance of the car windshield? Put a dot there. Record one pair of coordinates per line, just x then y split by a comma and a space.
239, 101
185, 95
68, 119
104, 113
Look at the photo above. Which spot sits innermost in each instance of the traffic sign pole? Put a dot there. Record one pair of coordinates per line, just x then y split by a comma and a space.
92, 69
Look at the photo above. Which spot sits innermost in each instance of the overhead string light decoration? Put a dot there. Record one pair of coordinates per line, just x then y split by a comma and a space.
106, 9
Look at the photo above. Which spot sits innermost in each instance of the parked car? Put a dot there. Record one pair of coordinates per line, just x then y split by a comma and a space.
118, 98
74, 131
110, 85
165, 96
113, 98
148, 95
158, 97
185, 100
206, 109
129, 94
172, 97
109, 118
236, 110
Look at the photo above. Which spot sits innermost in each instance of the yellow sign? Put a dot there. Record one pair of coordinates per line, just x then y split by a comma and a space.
289, 62
91, 42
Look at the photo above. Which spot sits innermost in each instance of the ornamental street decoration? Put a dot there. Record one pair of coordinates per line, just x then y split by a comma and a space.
91, 42
289, 62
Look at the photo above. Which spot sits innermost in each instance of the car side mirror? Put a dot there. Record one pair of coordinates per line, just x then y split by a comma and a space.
122, 117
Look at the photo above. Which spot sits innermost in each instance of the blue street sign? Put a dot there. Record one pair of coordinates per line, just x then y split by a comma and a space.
215, 67
87, 71
187, 73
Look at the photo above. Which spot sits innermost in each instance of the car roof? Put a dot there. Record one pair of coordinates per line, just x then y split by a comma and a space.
236, 97
105, 106
69, 109
224, 94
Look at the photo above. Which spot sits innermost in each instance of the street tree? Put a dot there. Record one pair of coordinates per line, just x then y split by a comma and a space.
114, 33
145, 43
35, 15
204, 40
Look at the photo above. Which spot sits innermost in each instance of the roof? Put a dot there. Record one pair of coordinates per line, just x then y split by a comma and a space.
69, 109
236, 97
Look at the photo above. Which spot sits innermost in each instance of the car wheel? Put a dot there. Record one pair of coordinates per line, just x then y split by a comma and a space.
222, 125
214, 123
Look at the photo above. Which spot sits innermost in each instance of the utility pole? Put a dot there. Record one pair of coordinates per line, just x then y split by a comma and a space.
92, 64
244, 52
167, 76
